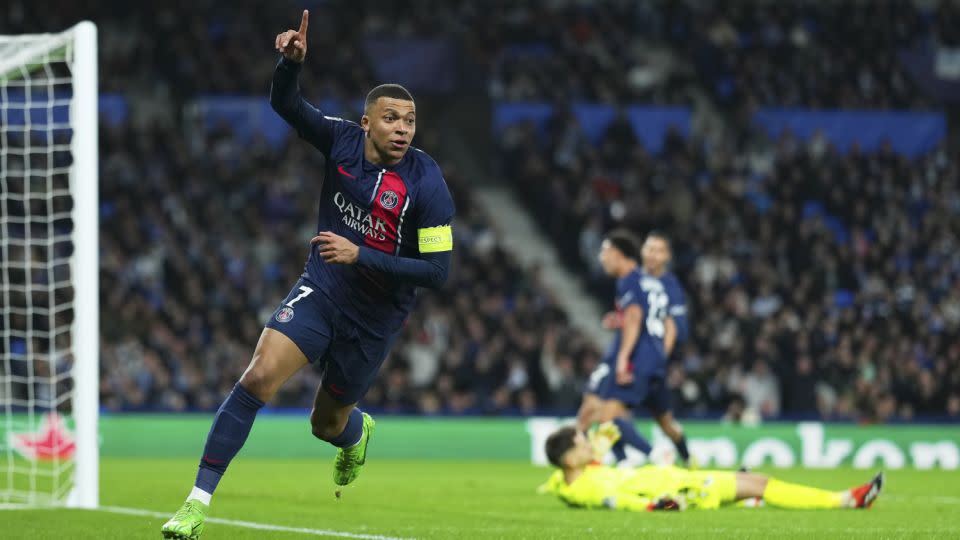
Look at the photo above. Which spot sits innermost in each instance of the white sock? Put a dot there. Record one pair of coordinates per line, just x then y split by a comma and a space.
198, 494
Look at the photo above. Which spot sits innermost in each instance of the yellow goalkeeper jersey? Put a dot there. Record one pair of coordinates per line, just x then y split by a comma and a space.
600, 486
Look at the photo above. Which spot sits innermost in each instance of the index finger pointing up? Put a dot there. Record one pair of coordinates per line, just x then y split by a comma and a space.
303, 23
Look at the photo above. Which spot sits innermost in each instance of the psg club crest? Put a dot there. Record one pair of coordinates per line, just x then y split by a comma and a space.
285, 314
52, 441
389, 200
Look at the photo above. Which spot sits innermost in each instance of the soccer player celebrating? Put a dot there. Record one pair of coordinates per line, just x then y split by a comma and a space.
581, 482
633, 369
384, 229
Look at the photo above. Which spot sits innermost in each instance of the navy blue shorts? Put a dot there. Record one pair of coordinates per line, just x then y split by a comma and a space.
348, 356
650, 392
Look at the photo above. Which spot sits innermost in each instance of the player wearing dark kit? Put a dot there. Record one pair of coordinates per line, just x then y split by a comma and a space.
633, 369
384, 229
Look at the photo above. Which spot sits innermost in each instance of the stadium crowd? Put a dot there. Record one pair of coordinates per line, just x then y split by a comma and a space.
819, 283
822, 55
740, 53
797, 53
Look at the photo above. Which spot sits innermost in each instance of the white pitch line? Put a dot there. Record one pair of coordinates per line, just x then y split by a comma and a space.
221, 521
254, 525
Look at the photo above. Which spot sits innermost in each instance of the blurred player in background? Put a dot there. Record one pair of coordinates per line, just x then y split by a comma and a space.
384, 229
582, 482
634, 367
656, 255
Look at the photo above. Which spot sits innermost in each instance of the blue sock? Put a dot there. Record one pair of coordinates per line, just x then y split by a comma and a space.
682, 448
351, 432
629, 435
229, 431
619, 451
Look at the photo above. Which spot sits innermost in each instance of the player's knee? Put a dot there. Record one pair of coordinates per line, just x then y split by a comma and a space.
325, 427
324, 432
258, 382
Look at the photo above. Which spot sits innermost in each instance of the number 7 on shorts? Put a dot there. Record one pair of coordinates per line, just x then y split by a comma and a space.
304, 292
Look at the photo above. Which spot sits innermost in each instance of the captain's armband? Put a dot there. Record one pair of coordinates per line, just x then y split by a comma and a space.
435, 239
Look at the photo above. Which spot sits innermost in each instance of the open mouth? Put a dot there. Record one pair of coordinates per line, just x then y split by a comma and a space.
398, 145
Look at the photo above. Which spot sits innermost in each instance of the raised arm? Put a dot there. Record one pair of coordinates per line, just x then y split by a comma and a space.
285, 96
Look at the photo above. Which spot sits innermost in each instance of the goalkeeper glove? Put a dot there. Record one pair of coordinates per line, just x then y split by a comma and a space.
602, 438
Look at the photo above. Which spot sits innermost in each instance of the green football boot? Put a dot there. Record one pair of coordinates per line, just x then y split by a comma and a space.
349, 461
187, 523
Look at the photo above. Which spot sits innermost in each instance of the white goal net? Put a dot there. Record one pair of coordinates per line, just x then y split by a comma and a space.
48, 268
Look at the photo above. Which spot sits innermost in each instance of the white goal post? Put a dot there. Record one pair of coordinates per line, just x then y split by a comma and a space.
49, 268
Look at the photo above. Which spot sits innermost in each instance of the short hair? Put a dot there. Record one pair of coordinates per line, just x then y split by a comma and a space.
657, 233
625, 241
391, 90
558, 443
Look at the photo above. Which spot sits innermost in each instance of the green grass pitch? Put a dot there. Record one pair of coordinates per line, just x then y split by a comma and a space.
423, 499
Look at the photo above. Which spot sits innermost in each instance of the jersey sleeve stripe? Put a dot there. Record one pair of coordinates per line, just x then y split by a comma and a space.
400, 225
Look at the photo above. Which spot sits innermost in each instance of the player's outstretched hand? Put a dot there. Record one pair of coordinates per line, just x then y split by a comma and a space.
608, 430
336, 249
293, 43
603, 438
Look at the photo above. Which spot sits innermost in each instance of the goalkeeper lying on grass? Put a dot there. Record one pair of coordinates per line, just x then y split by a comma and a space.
583, 482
